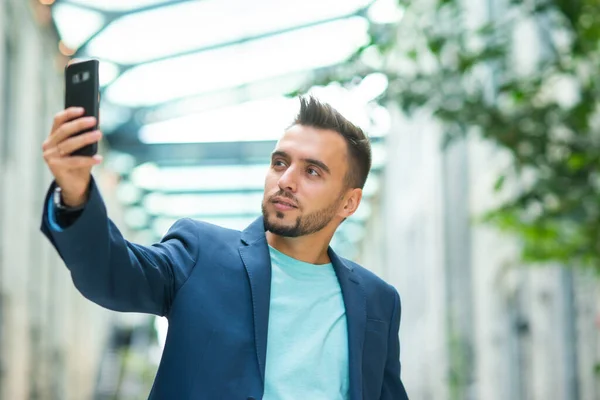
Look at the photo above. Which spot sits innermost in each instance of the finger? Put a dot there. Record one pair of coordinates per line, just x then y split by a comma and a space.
75, 162
76, 142
68, 146
64, 116
71, 128
50, 153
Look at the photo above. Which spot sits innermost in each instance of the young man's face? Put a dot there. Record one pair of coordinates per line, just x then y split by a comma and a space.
305, 182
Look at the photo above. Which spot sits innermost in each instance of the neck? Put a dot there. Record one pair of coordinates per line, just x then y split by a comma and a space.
311, 249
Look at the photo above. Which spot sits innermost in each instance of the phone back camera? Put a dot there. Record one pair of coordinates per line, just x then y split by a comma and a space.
81, 77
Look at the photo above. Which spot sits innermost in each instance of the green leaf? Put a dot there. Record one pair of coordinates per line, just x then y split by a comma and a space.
576, 162
443, 3
557, 218
486, 29
436, 44
499, 183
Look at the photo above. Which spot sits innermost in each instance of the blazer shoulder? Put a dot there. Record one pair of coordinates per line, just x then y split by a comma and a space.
382, 298
368, 276
372, 282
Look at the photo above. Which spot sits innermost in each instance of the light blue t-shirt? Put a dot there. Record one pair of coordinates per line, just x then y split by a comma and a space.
307, 343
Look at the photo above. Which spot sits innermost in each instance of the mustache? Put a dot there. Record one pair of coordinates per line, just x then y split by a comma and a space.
286, 195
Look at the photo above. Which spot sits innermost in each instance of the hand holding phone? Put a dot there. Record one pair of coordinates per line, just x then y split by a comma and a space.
82, 90
70, 149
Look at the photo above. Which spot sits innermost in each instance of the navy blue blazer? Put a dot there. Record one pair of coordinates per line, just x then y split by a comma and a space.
213, 285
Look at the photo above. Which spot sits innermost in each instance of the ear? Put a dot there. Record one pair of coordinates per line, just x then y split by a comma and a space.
351, 202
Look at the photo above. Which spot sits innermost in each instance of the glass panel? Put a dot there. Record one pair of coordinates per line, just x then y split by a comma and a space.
112, 116
371, 87
351, 228
263, 119
353, 105
362, 212
386, 12
127, 193
161, 225
189, 205
380, 121
378, 155
118, 5
144, 236
119, 162
300, 50
76, 25
371, 185
107, 72
250, 121
136, 217
231, 177
277, 86
198, 24
352, 232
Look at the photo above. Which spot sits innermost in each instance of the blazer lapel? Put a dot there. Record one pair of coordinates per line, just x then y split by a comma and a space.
257, 261
356, 317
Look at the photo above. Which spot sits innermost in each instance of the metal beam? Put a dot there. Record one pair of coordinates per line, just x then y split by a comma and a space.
124, 68
200, 192
233, 216
216, 46
183, 154
112, 15
205, 101
222, 191
250, 91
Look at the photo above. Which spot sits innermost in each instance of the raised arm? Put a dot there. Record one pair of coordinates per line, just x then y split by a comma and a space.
114, 272
105, 267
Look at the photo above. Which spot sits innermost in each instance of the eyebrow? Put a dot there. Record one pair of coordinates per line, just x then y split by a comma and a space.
320, 164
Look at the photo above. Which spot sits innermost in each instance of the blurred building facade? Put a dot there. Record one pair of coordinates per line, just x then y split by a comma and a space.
476, 322
51, 338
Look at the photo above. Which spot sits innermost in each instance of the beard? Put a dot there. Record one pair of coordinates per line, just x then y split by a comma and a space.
304, 225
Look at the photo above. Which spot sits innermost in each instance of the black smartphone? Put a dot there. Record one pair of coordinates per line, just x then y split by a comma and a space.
82, 89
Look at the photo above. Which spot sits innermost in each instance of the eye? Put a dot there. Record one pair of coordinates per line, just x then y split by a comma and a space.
278, 163
313, 172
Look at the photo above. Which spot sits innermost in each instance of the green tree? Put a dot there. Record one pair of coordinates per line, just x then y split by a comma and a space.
547, 118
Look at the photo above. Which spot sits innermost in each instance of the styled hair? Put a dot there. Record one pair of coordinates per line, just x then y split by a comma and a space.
316, 114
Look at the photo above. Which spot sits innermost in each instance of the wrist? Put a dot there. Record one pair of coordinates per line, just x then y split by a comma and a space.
64, 201
74, 202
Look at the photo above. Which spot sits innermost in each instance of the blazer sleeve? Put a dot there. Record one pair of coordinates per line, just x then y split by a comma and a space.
115, 273
393, 388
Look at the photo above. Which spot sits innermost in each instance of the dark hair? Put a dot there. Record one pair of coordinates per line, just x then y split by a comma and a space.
320, 115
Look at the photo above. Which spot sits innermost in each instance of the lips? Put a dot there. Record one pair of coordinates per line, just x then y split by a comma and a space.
285, 202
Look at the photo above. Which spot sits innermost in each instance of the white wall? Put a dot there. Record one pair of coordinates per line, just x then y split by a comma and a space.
525, 332
50, 336
405, 246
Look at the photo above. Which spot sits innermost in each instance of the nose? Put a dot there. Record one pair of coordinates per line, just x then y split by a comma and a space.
287, 180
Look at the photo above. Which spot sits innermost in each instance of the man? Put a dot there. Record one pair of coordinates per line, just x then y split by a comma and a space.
268, 313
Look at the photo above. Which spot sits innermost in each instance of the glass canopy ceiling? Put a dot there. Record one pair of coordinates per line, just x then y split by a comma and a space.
206, 78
